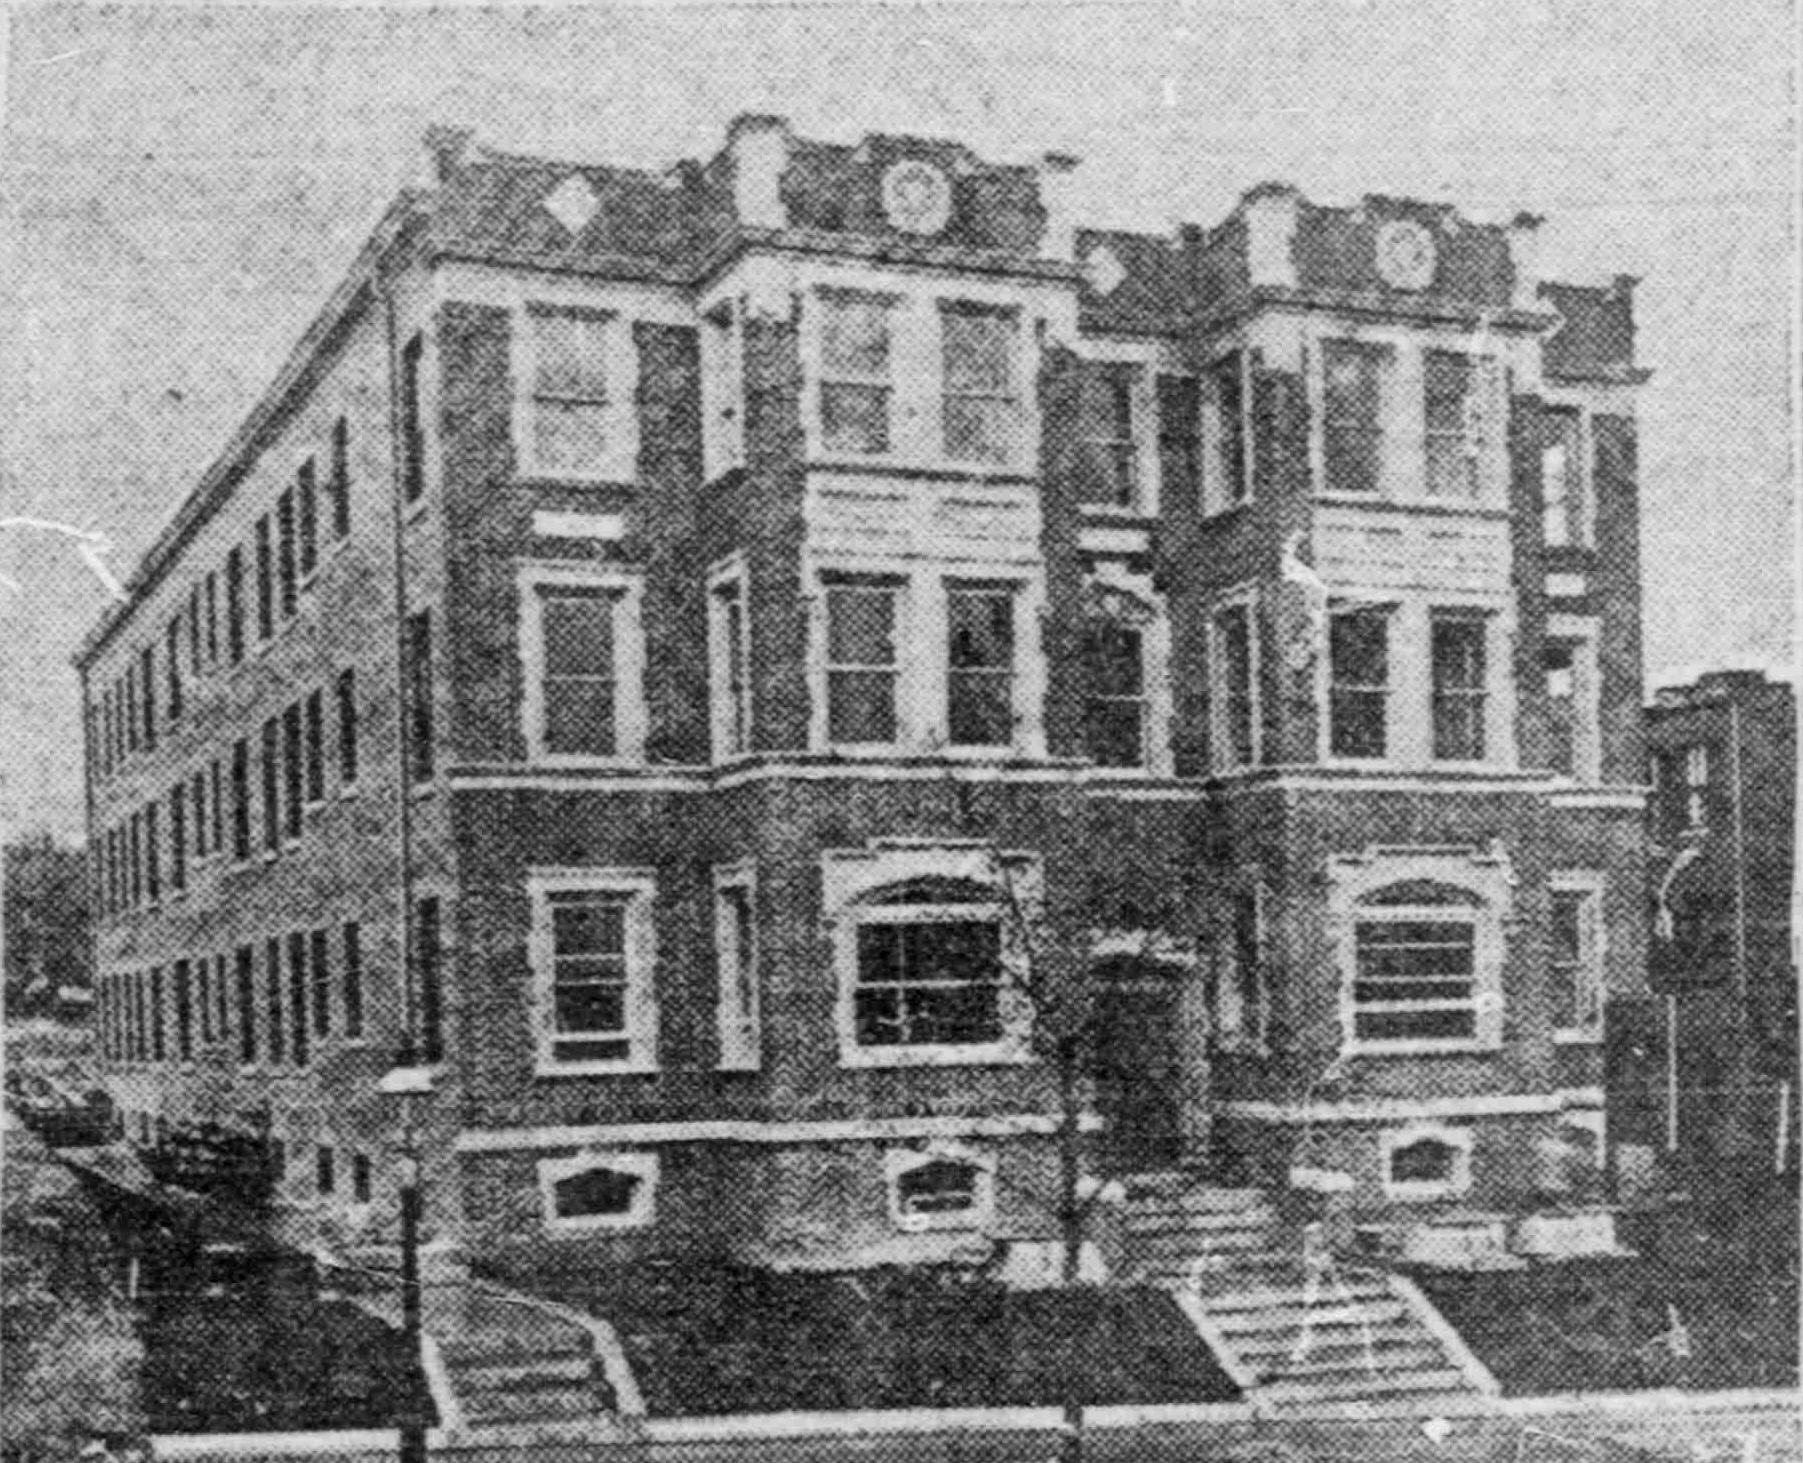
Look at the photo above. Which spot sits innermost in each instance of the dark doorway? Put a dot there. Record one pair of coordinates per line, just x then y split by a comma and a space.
1137, 1063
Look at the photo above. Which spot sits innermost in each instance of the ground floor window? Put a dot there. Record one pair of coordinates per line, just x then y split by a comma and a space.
599, 1191
952, 1188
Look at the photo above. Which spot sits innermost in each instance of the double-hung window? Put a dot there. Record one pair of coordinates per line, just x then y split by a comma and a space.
735, 947
980, 402
1229, 469
863, 662
287, 571
856, 384
234, 605
729, 645
1233, 687
1575, 955
307, 505
1696, 786
347, 726
1352, 418
1456, 650
1359, 683
265, 580
341, 478
592, 952
1456, 409
1114, 709
722, 390
570, 412
1106, 434
172, 656
585, 664
1416, 952
980, 669
294, 771
1564, 512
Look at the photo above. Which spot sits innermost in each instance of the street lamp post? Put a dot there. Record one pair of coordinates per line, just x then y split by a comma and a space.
408, 1084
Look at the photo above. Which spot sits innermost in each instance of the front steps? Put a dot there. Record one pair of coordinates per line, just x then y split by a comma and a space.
1347, 1338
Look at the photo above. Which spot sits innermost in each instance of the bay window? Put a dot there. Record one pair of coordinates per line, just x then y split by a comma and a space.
1352, 420
855, 373
978, 348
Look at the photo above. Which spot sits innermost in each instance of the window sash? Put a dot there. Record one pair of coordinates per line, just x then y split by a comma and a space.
1107, 435
910, 989
1572, 959
1237, 718
856, 374
1415, 976
1227, 383
863, 665
1562, 482
980, 666
1352, 416
589, 976
1359, 684
1457, 652
979, 400
578, 677
1114, 719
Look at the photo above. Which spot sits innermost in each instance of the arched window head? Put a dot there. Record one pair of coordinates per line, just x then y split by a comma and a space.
1417, 892
933, 890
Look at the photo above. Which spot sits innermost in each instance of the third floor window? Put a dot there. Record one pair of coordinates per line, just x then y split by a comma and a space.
855, 384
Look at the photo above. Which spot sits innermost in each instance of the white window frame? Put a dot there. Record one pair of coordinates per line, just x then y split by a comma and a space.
1484, 428
739, 1007
1581, 525
1484, 874
1406, 1191
640, 1165
1220, 754
1592, 950
626, 588
1155, 669
899, 1162
1696, 785
639, 886
726, 579
851, 877
620, 457
1582, 632
723, 387
1216, 498
922, 637
1143, 404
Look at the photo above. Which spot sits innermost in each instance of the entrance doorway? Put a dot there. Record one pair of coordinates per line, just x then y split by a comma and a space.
1139, 1063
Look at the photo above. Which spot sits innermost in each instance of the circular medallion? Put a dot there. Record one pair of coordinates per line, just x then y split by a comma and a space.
917, 197
1405, 255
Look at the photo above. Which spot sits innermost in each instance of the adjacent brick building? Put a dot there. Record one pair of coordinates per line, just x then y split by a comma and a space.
724, 660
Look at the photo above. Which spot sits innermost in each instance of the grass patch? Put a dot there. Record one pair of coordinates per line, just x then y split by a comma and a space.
1607, 1325
732, 1340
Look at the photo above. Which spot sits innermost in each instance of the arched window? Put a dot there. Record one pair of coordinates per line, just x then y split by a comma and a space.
1415, 956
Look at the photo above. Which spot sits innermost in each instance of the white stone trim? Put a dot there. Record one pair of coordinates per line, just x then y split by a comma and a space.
1458, 1140
898, 1162
640, 887
605, 527
1385, 1110
852, 1130
643, 1213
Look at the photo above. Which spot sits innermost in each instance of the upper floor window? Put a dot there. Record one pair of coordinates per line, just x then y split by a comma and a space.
172, 669
1114, 676
1233, 686
571, 420
980, 665
347, 726
287, 573
413, 417
1575, 955
147, 689
723, 389
1696, 786
234, 605
1458, 419
341, 478
1107, 434
265, 580
1352, 420
592, 955
1359, 683
1229, 466
735, 947
307, 507
863, 662
422, 736
729, 647
855, 373
978, 349
1456, 654
428, 976
210, 600
1564, 507
580, 639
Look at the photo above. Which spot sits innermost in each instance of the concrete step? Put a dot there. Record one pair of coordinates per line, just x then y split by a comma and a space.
477, 1349
1176, 1186
1211, 1222
1290, 1319
1366, 1385
1356, 1292
511, 1407
1348, 1362
534, 1374
1197, 1242
1331, 1341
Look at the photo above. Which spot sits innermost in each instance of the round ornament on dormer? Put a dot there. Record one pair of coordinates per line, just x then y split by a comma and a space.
917, 197
1405, 255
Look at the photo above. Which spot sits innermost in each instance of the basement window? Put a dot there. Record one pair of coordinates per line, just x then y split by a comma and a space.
589, 1192
940, 1189
1424, 1163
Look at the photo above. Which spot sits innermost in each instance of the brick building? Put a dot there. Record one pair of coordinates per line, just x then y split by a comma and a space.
1722, 822
716, 657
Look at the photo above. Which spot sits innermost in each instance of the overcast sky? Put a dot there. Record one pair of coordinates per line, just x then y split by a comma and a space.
184, 185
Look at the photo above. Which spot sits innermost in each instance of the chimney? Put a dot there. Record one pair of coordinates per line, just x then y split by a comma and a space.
1524, 258
759, 145
1057, 172
446, 148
